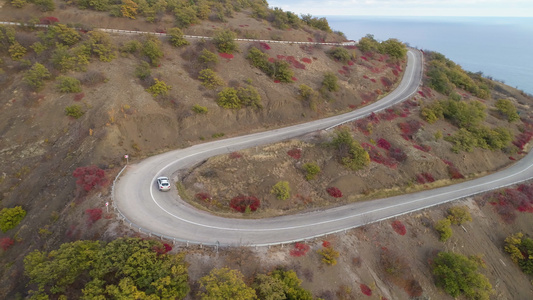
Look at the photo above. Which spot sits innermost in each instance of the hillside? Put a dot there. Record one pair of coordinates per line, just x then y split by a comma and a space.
76, 98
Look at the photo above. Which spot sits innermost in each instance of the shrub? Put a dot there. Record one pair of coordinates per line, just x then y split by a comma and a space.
11, 217
100, 45
444, 229
507, 108
350, 152
199, 109
459, 215
329, 255
159, 88
300, 249
311, 170
18, 3
16, 51
281, 70
68, 84
306, 92
225, 41
143, 71
36, 75
243, 203
208, 58
384, 144
6, 243
295, 153
249, 97
94, 214
399, 227
228, 98
176, 37
365, 289
458, 275
281, 190
131, 46
89, 177
203, 197
45, 5
74, 111
185, 16
210, 79
521, 250
330, 82
334, 192
393, 48
152, 49
340, 54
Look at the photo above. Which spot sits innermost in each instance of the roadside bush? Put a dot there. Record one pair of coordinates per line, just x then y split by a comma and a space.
329, 255
398, 227
334, 192
89, 177
131, 46
311, 170
340, 54
100, 45
330, 82
300, 249
295, 153
444, 229
11, 217
185, 16
68, 84
176, 37
228, 98
393, 48
350, 152
318, 23
244, 203
210, 79
507, 108
199, 109
521, 250
281, 190
74, 111
225, 41
159, 88
152, 49
458, 275
459, 215
36, 75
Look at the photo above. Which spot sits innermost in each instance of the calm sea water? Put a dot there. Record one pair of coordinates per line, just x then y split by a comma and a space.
499, 47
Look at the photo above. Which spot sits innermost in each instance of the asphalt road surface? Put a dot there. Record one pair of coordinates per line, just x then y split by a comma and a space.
165, 214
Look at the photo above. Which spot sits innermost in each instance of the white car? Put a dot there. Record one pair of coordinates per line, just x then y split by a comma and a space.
163, 184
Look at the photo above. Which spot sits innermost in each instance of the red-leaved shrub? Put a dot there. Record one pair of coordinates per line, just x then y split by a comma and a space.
79, 96
89, 177
300, 249
384, 144
397, 154
295, 153
264, 46
227, 56
326, 244
387, 83
94, 214
163, 249
48, 20
242, 202
306, 60
399, 227
234, 155
6, 242
203, 196
334, 192
365, 289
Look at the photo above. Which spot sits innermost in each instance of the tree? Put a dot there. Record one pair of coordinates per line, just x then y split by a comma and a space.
11, 217
36, 75
521, 250
393, 48
176, 37
507, 108
444, 229
311, 170
458, 275
225, 41
269, 288
101, 46
129, 9
281, 190
224, 283
185, 16
291, 285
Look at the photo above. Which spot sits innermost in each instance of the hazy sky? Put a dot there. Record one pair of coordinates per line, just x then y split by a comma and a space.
511, 8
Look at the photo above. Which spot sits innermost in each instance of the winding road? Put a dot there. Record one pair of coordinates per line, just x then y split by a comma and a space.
143, 207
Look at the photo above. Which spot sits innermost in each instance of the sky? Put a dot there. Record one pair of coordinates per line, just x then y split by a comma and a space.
489, 8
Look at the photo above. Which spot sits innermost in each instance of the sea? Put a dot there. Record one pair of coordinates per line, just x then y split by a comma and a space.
499, 47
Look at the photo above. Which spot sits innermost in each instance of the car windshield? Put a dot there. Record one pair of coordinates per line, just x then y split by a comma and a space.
164, 183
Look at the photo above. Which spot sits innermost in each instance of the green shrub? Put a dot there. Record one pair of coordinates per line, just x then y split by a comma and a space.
393, 48
131, 46
458, 275
17, 51
100, 45
368, 44
330, 82
459, 215
38, 47
281, 190
18, 3
143, 70
281, 70
521, 250
199, 109
70, 59
225, 41
444, 229
306, 92
507, 108
340, 54
159, 88
249, 97
208, 58
311, 170
350, 152
280, 284
210, 79
68, 84
258, 59
152, 50
36, 75
11, 217
318, 23
185, 16
480, 136
228, 98
74, 111
45, 5
176, 37
329, 255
